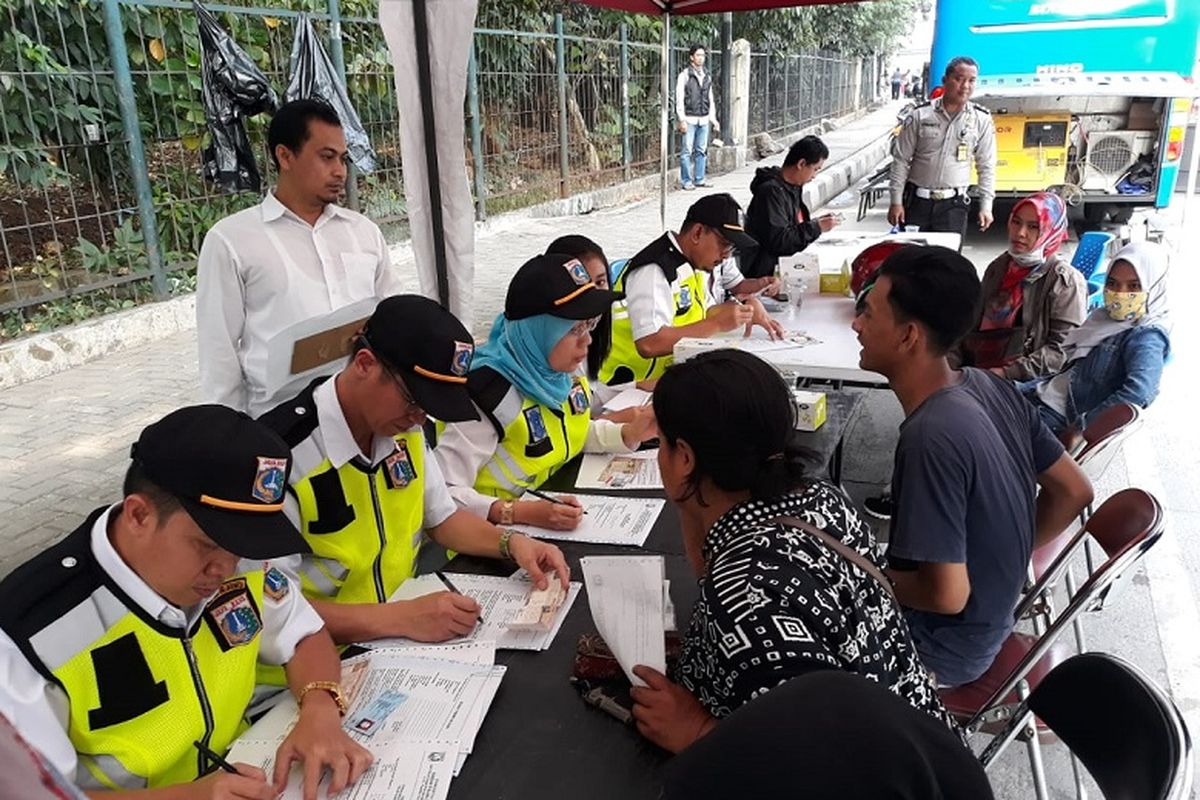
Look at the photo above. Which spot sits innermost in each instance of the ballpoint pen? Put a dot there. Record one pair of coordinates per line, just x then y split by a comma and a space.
442, 577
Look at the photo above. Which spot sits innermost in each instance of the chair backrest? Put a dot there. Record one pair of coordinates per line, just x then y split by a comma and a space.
1090, 252
1104, 435
1125, 730
1126, 526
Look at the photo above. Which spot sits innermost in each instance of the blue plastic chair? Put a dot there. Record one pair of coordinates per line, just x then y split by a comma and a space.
1090, 253
1088, 258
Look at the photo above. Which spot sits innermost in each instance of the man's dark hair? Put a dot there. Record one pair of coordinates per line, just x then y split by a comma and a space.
936, 287
810, 150
136, 482
289, 126
959, 61
692, 50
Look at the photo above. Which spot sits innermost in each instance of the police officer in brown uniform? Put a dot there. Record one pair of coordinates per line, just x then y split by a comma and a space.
932, 156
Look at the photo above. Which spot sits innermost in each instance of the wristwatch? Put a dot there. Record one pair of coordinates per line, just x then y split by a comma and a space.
507, 512
335, 691
505, 540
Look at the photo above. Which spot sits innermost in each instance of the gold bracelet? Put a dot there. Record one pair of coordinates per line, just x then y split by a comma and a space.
507, 512
335, 691
505, 551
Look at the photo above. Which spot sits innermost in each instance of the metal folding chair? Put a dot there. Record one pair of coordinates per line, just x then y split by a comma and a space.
1101, 440
1116, 721
1125, 527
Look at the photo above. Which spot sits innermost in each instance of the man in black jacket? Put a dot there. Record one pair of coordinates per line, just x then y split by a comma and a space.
777, 217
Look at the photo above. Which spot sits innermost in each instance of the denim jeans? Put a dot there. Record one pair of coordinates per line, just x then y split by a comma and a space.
694, 153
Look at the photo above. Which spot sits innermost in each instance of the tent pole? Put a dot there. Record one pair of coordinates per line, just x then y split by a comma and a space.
436, 222
666, 101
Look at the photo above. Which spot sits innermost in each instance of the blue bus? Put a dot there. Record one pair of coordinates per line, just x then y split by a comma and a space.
1089, 97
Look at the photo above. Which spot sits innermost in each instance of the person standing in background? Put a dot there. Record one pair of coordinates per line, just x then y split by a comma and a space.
295, 256
696, 111
897, 78
932, 156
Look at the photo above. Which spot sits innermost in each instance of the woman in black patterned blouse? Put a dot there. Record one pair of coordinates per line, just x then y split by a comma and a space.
775, 600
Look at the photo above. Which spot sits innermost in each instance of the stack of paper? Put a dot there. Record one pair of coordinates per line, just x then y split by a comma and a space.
626, 595
631, 471
417, 714
632, 397
609, 520
500, 599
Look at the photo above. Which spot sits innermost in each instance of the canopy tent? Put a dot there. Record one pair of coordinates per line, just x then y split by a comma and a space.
430, 43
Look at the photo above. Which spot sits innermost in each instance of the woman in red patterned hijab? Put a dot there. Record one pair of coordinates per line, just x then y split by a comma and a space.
1031, 297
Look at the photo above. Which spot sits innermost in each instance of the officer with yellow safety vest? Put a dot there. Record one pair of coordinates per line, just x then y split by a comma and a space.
366, 492
138, 635
670, 291
530, 383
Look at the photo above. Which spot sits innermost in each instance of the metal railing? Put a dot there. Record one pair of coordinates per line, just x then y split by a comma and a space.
102, 126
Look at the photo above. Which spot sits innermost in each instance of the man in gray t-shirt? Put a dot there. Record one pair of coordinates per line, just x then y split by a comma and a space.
971, 457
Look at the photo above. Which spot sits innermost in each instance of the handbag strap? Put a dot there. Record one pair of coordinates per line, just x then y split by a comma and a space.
841, 548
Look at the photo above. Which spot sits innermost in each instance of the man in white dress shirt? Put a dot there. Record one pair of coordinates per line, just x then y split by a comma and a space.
294, 257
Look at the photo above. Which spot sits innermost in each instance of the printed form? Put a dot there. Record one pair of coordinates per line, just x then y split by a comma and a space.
499, 599
609, 520
629, 471
625, 594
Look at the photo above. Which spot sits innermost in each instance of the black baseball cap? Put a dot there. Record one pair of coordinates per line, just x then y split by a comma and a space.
559, 285
430, 349
722, 212
228, 472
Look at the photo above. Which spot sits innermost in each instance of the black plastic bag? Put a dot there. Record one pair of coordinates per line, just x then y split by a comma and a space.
314, 77
234, 88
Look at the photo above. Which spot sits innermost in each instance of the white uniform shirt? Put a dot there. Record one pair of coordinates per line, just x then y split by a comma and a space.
465, 447
39, 709
264, 269
332, 439
650, 297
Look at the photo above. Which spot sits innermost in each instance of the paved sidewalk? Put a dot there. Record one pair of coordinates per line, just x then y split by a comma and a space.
64, 439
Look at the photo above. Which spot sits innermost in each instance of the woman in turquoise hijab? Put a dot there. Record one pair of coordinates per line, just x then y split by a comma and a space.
529, 382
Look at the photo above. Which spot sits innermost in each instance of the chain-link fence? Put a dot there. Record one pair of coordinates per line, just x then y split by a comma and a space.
88, 224
795, 90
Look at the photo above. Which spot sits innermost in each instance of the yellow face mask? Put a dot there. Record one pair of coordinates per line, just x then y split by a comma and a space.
1125, 306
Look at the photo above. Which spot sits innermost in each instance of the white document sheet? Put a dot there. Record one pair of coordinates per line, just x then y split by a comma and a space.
632, 397
609, 520
626, 597
627, 471
402, 770
499, 600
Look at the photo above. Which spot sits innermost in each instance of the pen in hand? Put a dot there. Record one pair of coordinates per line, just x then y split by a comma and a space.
212, 756
441, 576
551, 499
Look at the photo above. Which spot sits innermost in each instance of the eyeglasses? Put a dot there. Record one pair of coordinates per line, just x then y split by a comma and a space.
404, 392
726, 245
584, 327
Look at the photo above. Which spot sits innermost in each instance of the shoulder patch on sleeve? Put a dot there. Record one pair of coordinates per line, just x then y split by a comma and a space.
275, 584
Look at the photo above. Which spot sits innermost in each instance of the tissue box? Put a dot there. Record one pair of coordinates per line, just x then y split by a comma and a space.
836, 281
811, 406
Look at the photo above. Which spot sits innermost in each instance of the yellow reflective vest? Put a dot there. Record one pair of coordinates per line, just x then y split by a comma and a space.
535, 440
689, 290
363, 523
139, 692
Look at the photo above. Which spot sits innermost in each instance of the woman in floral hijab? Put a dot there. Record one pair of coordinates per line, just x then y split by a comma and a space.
1031, 297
